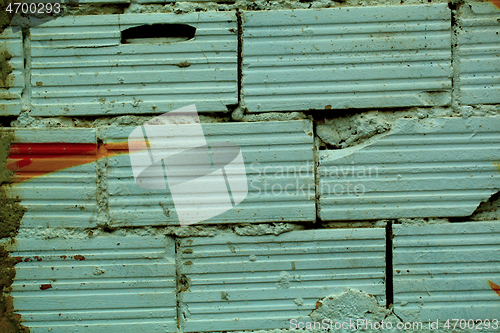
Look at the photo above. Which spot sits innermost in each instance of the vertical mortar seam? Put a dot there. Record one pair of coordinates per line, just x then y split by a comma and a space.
26, 93
389, 276
102, 195
178, 296
316, 171
239, 56
455, 58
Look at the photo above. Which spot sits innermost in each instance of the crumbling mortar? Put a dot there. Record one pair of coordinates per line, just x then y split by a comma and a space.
179, 286
5, 67
240, 55
456, 30
181, 7
11, 214
96, 9
25, 120
347, 128
199, 230
26, 92
423, 220
247, 5
316, 160
240, 114
102, 195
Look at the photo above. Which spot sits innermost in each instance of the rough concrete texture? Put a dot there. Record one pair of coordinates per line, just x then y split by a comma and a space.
185, 7
11, 214
350, 304
266, 229
96, 9
354, 127
353, 224
5, 16
257, 229
488, 211
5, 67
423, 221
26, 120
239, 115
9, 322
349, 307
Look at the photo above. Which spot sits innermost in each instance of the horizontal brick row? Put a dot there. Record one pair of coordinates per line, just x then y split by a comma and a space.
64, 178
371, 57
449, 271
111, 283
420, 168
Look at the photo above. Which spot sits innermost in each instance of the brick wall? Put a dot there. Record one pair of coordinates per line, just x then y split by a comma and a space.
368, 135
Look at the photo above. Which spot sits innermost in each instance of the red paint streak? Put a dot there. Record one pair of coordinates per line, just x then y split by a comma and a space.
45, 286
30, 160
52, 148
496, 3
495, 287
79, 257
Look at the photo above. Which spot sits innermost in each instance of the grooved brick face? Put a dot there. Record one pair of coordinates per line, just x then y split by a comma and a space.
446, 271
346, 58
478, 51
61, 175
421, 168
100, 284
241, 282
74, 57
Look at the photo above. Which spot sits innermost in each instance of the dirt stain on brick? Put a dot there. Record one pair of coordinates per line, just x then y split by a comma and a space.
5, 67
5, 16
11, 213
183, 64
495, 287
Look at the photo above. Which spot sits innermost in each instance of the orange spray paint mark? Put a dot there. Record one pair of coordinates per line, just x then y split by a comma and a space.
496, 3
495, 287
30, 160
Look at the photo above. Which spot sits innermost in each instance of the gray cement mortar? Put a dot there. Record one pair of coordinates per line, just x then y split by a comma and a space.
256, 229
192, 6
350, 128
